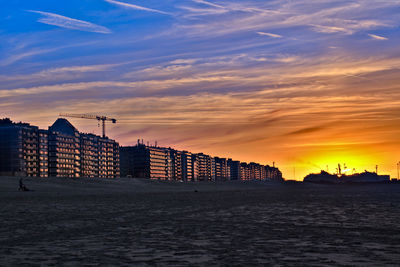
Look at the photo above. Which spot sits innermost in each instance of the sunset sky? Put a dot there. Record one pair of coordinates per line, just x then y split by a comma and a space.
305, 83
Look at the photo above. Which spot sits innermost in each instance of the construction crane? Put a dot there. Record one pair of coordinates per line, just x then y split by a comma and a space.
92, 117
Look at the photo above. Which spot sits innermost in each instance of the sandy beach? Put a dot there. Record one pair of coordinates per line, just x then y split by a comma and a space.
126, 222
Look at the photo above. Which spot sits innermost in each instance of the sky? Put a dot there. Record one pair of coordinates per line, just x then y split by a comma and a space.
306, 84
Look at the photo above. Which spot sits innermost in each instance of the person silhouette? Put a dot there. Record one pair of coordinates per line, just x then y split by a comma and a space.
22, 187
21, 184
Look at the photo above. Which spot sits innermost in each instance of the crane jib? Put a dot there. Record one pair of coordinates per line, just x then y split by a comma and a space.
93, 117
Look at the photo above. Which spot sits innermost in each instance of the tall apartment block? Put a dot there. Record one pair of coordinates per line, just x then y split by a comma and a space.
143, 161
99, 157
234, 169
22, 149
205, 167
187, 166
273, 173
75, 154
60, 151
43, 153
222, 172
108, 158
64, 150
175, 164
245, 172
195, 167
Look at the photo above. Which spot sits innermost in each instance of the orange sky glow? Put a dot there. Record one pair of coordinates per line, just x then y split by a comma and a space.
307, 85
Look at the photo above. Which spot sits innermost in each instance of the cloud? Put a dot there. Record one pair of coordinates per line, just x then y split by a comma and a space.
79, 69
208, 3
17, 57
307, 130
377, 37
127, 5
70, 23
183, 61
273, 35
56, 74
285, 16
330, 29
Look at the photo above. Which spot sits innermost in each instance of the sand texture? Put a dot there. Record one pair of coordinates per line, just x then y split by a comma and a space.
132, 222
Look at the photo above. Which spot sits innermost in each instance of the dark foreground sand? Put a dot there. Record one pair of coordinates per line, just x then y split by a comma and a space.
134, 222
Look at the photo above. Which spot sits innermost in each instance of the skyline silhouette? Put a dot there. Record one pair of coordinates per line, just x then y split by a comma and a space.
305, 84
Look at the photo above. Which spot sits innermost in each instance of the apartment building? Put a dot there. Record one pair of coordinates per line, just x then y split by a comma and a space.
20, 149
234, 169
64, 149
222, 172
187, 166
143, 161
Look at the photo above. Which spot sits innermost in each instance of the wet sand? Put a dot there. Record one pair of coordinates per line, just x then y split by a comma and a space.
133, 222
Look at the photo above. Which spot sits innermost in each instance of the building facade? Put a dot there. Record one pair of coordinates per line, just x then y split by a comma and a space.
43, 153
75, 154
64, 150
20, 149
60, 151
187, 166
234, 169
175, 164
143, 161
222, 171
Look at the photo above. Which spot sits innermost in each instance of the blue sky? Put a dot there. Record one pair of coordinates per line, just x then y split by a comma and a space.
254, 80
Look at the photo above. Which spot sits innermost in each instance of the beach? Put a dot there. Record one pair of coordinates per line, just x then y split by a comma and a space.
125, 222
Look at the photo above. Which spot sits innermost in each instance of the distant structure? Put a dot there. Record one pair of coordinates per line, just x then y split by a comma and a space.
365, 177
60, 151
152, 162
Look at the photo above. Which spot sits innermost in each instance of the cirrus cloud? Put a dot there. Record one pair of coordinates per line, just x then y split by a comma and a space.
132, 6
69, 23
377, 37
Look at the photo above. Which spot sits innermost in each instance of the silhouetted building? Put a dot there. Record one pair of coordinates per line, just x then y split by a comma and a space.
195, 168
273, 173
187, 166
244, 172
356, 178
222, 171
205, 167
148, 162
255, 171
234, 169
175, 164
127, 161
20, 149
60, 151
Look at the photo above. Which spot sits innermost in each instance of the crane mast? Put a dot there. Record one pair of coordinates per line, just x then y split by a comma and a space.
103, 119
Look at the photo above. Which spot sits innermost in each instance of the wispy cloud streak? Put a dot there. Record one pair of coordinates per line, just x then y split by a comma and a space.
69, 23
273, 35
377, 37
132, 6
208, 3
